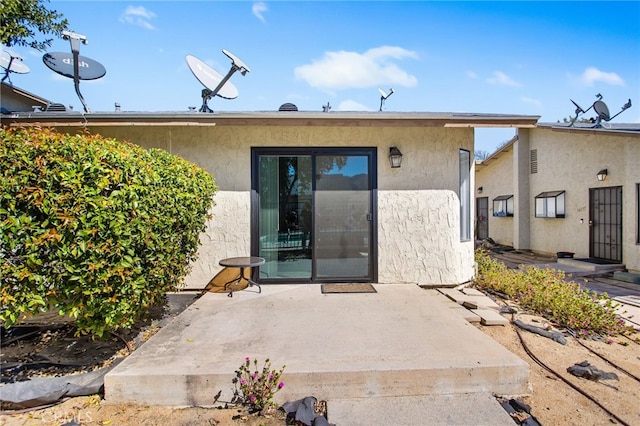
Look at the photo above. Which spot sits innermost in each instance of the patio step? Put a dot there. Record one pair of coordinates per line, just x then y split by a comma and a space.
627, 277
402, 341
434, 410
590, 266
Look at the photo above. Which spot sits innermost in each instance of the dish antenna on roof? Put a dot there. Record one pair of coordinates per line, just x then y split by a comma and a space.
12, 62
214, 83
384, 96
73, 65
601, 110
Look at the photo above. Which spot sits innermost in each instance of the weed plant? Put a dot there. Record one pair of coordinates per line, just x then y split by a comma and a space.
257, 386
547, 293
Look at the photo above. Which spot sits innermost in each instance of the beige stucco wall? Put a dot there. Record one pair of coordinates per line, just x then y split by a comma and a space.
418, 207
411, 225
569, 161
495, 181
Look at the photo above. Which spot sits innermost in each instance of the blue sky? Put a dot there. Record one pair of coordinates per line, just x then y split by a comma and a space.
482, 57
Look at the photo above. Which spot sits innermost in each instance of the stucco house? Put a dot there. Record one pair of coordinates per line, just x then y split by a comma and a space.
315, 193
559, 188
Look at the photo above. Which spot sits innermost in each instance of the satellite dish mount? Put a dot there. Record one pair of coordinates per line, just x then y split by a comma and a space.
75, 40
383, 96
601, 110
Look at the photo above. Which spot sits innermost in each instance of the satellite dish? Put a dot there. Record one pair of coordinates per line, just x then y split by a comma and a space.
74, 66
63, 64
12, 62
384, 95
602, 110
215, 84
210, 78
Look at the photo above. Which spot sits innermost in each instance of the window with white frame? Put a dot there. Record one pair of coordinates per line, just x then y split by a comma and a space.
503, 206
550, 204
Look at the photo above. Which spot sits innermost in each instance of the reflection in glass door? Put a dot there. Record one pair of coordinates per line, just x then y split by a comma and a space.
342, 217
313, 214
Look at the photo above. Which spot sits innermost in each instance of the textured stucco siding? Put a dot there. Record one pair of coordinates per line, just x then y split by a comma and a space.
422, 192
495, 181
419, 238
570, 162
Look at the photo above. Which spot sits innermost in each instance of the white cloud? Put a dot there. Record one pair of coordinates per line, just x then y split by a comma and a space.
258, 9
472, 75
342, 69
350, 105
138, 15
592, 75
535, 102
502, 79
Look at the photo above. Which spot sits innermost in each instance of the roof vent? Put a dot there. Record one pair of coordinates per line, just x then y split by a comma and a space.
288, 107
55, 107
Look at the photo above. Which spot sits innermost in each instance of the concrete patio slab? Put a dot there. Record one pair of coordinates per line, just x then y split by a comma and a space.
433, 410
400, 341
490, 317
583, 264
480, 302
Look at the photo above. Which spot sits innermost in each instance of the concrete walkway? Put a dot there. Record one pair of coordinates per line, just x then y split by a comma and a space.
403, 341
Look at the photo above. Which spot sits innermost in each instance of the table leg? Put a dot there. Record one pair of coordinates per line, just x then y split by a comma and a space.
239, 279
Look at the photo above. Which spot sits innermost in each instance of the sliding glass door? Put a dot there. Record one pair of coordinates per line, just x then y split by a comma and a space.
313, 214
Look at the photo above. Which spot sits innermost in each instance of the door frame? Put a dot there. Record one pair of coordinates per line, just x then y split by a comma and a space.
369, 151
486, 217
611, 229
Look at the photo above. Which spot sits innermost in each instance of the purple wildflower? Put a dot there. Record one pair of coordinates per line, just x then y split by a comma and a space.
280, 385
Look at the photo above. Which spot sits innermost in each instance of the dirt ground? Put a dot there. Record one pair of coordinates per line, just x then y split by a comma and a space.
553, 402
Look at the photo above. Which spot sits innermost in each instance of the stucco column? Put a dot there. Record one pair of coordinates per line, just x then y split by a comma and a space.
521, 195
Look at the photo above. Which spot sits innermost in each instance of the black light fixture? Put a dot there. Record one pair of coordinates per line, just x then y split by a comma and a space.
602, 175
480, 190
395, 157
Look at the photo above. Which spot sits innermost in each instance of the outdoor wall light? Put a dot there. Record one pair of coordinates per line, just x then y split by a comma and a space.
395, 157
480, 190
602, 175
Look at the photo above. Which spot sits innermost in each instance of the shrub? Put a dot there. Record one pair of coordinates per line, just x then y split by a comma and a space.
257, 387
546, 292
95, 228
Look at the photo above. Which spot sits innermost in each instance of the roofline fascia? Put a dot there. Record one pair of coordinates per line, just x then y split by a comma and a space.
74, 119
592, 131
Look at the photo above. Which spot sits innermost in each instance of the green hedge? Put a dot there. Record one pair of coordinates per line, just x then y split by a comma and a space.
95, 228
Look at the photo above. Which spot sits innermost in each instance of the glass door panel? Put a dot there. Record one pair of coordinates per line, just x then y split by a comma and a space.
313, 214
285, 188
342, 231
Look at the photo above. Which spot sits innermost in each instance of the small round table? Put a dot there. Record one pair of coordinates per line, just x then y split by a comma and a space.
242, 263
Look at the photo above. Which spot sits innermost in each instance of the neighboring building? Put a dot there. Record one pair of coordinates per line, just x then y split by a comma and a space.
15, 99
369, 222
544, 191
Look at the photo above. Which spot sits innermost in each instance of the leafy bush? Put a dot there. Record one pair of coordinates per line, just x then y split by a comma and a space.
95, 228
545, 292
257, 387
